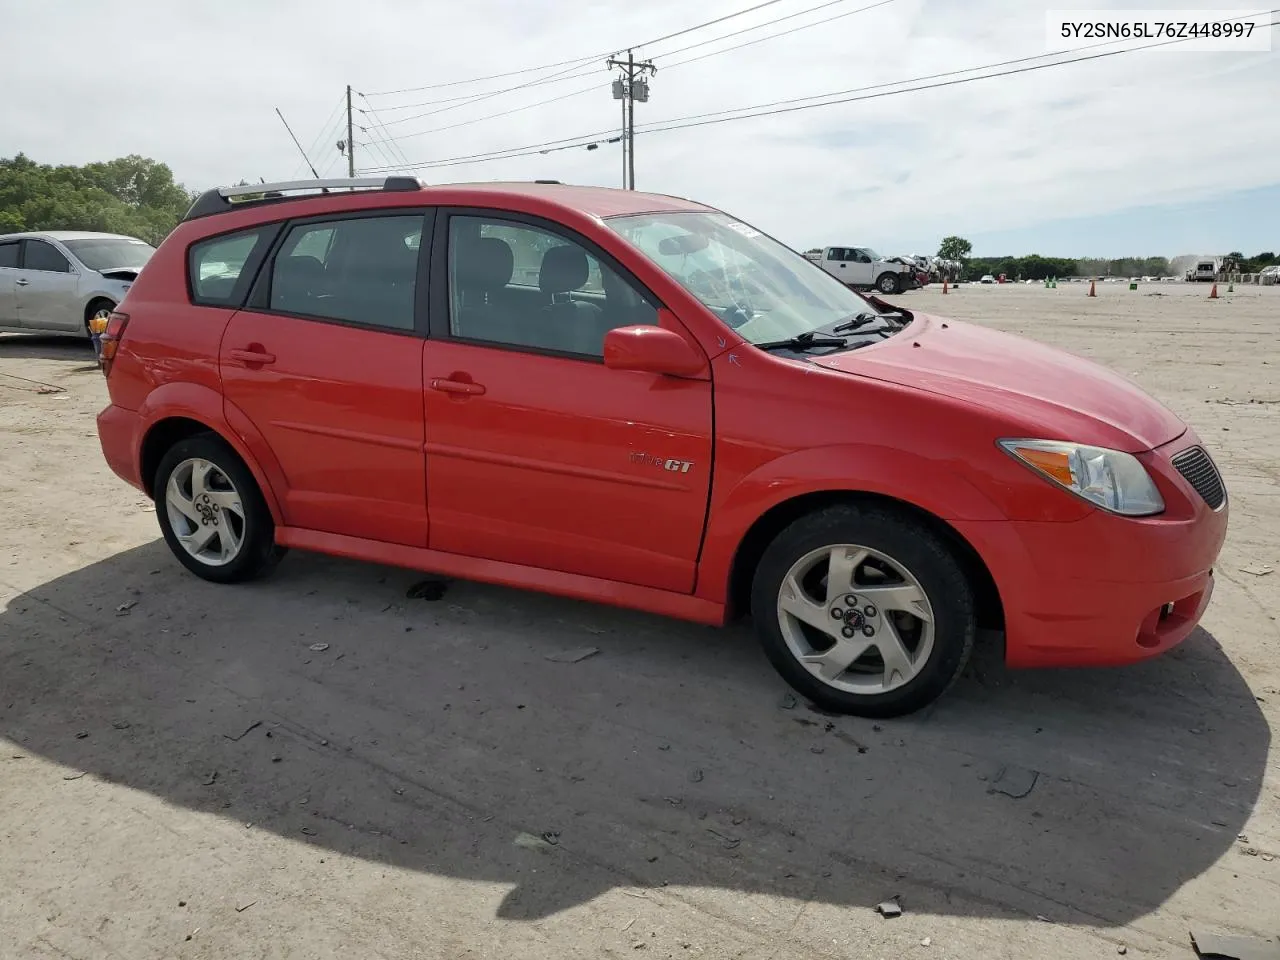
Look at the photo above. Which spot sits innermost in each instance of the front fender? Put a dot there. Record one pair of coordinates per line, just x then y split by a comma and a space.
930, 485
192, 401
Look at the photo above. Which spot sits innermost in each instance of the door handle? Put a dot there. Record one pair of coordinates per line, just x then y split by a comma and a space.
22, 283
457, 386
251, 357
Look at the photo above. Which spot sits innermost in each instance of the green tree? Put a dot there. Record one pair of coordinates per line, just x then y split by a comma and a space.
130, 195
955, 248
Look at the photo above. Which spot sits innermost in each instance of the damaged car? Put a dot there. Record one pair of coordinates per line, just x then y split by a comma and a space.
61, 281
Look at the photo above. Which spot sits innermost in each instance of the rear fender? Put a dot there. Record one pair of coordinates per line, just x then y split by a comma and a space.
930, 485
195, 402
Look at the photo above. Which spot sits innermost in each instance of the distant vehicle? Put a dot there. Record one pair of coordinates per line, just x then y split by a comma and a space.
863, 267
1205, 271
57, 281
987, 278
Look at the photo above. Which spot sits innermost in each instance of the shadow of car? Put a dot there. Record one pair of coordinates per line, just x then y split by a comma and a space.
453, 737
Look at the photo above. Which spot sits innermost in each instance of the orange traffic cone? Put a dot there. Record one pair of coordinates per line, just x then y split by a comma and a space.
1213, 294
1093, 291
944, 284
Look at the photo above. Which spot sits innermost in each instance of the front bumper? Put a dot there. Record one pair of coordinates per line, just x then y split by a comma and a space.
118, 433
1105, 590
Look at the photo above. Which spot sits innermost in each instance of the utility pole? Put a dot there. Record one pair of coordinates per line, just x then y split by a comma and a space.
351, 145
629, 88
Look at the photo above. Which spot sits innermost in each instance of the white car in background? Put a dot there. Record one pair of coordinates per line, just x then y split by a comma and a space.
57, 281
863, 267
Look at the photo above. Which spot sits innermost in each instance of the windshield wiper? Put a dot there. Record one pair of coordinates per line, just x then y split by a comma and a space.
802, 341
861, 320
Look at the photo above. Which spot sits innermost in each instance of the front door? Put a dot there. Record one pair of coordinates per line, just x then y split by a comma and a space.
48, 290
536, 453
326, 363
10, 252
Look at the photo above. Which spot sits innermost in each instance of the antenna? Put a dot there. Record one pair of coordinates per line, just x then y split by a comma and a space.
297, 144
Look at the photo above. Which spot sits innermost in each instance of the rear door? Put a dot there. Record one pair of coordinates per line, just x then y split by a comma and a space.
48, 290
325, 361
10, 257
537, 454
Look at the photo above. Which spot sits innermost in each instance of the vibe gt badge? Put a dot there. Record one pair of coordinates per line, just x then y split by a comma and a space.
675, 466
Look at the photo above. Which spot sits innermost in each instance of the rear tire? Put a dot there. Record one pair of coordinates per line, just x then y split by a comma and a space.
211, 512
894, 633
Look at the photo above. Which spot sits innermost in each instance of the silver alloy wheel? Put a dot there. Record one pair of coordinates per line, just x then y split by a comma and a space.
856, 619
205, 512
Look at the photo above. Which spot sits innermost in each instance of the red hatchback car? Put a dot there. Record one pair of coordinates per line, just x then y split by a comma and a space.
640, 400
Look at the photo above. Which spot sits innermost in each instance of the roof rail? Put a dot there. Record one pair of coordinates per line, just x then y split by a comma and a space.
222, 199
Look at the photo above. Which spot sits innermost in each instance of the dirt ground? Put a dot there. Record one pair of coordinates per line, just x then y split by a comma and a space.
183, 775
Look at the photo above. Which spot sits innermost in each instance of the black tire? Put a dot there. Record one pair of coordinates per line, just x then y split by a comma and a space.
888, 283
914, 547
258, 552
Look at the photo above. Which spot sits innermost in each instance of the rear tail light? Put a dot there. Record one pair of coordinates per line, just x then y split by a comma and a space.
109, 338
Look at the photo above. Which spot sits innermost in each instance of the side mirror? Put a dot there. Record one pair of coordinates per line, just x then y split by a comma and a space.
652, 350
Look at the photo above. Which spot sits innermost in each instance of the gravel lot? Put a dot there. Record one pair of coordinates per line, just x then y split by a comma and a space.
183, 774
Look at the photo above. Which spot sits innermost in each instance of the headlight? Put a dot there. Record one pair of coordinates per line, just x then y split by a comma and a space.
1110, 479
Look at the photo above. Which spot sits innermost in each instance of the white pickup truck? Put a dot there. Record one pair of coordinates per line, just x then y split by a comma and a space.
862, 267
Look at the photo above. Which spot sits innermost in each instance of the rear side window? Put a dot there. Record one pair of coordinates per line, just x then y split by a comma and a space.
360, 270
8, 254
216, 268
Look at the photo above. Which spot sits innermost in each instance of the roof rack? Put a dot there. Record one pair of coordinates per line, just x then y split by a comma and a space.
222, 199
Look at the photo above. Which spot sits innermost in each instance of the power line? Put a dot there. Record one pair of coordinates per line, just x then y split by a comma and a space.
390, 141
745, 113
593, 87
770, 23
772, 36
579, 61
492, 116
478, 98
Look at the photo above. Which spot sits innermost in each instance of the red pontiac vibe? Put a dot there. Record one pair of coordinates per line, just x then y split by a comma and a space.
640, 400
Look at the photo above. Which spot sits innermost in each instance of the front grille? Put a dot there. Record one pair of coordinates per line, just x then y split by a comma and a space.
1198, 468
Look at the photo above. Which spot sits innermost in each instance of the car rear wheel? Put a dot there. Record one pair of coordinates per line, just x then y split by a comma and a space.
888, 283
864, 611
211, 512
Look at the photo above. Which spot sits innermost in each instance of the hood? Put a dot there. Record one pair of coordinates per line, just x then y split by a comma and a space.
127, 274
1055, 395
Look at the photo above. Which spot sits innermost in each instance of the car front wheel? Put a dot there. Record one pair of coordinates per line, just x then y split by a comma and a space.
888, 283
864, 611
211, 512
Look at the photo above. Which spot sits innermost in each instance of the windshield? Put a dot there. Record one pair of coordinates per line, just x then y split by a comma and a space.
765, 291
871, 254
109, 253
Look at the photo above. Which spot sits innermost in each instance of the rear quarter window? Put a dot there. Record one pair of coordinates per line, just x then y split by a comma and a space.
219, 269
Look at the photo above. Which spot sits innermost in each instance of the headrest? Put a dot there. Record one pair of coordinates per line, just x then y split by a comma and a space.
564, 268
485, 263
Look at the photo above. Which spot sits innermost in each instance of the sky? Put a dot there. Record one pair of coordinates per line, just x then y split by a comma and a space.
1156, 152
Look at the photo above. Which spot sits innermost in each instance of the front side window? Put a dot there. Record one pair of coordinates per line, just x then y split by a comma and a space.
762, 289
215, 267
519, 285
9, 254
360, 270
44, 256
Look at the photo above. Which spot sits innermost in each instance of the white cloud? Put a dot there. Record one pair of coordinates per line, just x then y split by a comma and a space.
195, 86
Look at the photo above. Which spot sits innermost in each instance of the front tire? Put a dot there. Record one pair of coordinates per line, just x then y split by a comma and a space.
864, 611
888, 283
211, 512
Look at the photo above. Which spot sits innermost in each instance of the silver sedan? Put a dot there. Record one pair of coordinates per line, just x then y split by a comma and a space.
57, 281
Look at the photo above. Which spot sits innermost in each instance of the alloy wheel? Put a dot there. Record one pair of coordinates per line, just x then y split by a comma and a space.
856, 619
205, 511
